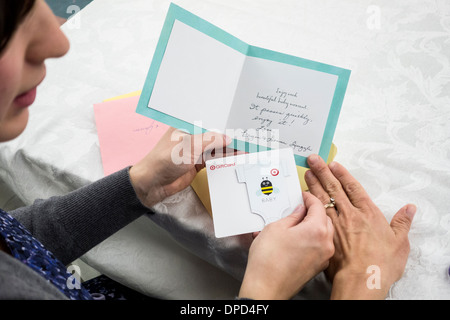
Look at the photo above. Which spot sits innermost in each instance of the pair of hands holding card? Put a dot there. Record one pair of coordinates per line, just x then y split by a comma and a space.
344, 240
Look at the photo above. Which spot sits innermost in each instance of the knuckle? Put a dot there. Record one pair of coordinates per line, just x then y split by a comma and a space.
323, 198
404, 222
353, 187
364, 203
322, 168
332, 186
320, 233
330, 249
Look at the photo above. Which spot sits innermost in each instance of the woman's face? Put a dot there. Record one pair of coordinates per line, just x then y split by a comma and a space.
22, 66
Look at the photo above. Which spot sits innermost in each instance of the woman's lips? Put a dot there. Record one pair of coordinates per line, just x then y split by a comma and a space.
26, 99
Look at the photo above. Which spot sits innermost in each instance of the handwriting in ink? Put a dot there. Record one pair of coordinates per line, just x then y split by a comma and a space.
145, 130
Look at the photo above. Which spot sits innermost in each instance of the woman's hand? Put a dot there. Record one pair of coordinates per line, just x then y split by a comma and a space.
172, 165
289, 252
371, 254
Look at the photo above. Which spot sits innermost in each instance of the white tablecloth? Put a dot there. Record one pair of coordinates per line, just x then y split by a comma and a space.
393, 133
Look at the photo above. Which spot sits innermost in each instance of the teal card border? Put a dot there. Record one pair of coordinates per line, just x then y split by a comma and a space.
177, 13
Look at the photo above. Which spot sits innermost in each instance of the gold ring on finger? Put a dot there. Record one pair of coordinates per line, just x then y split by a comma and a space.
330, 204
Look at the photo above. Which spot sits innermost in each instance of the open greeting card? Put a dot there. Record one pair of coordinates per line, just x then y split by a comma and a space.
202, 78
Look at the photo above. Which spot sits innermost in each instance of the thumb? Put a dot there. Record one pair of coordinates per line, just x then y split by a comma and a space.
295, 217
401, 222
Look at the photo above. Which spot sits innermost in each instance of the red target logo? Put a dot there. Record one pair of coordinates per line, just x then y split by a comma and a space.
274, 172
212, 167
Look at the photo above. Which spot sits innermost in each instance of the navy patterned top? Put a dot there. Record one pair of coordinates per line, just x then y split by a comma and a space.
30, 251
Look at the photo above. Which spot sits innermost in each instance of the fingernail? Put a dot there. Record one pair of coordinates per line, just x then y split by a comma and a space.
298, 208
228, 140
411, 211
312, 159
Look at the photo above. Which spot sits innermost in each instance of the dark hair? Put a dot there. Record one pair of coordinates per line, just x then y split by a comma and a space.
12, 13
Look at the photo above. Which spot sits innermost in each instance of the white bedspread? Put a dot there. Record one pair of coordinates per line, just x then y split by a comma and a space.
393, 133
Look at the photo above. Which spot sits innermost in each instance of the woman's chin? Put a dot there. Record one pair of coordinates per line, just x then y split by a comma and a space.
12, 127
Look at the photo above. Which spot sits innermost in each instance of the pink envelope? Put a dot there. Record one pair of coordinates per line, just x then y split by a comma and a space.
125, 136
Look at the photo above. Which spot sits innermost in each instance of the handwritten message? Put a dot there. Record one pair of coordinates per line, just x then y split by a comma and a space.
147, 129
281, 107
272, 112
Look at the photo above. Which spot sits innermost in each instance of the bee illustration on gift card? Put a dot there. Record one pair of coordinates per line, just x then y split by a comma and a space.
267, 188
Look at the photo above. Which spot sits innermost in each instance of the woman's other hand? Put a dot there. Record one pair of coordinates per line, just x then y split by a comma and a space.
371, 253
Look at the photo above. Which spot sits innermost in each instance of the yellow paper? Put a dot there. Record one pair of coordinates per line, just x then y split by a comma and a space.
128, 95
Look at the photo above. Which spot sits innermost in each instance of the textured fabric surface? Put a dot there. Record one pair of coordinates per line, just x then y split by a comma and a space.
393, 133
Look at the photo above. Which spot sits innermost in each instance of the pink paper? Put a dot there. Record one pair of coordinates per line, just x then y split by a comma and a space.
125, 136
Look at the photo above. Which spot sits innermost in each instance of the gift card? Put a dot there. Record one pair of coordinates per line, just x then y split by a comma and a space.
249, 191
